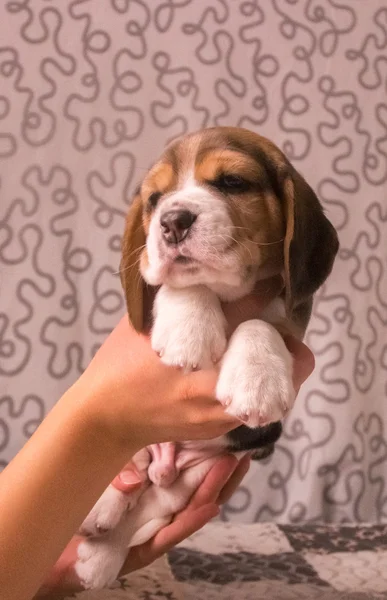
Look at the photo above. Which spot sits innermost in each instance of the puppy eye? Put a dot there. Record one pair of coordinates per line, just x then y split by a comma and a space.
231, 183
154, 198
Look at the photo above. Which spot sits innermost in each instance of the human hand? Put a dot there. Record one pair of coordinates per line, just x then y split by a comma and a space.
139, 401
217, 487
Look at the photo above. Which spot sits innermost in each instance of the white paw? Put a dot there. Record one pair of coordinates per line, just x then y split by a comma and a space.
189, 330
256, 378
99, 563
107, 512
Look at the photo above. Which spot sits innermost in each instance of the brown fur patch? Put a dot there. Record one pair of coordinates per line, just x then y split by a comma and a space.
279, 223
161, 178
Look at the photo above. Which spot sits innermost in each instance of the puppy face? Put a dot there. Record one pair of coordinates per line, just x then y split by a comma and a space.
223, 207
210, 217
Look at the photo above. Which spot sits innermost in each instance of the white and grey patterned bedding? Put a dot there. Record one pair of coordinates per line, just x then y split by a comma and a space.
265, 562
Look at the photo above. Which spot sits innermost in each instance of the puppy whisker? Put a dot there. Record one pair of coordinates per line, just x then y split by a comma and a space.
131, 264
268, 243
128, 267
238, 242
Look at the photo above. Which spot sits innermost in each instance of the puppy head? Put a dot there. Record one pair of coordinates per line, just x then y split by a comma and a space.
223, 207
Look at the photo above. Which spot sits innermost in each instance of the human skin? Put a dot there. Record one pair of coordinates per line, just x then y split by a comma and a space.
126, 399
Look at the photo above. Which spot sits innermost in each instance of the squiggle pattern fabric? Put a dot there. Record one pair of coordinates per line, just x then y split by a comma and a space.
90, 92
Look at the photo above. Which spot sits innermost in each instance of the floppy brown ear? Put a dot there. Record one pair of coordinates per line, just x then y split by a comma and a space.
131, 279
311, 242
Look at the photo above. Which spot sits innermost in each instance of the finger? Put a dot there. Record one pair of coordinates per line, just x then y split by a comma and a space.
168, 537
201, 509
127, 480
211, 412
234, 480
304, 362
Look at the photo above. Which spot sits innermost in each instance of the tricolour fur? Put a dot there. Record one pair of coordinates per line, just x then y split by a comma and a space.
221, 210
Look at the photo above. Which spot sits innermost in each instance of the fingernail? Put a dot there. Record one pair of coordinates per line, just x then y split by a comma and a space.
129, 478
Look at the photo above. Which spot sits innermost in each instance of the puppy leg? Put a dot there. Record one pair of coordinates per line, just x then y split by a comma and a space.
108, 511
100, 559
256, 377
189, 328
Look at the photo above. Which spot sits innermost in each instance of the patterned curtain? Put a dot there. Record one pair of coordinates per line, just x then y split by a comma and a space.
89, 94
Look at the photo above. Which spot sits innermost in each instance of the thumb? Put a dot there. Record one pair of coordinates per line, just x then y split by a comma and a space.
127, 480
200, 387
201, 383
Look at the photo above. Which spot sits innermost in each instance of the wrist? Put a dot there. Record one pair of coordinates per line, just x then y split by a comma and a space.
92, 409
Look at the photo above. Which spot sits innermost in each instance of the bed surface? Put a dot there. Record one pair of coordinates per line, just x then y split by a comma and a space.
265, 562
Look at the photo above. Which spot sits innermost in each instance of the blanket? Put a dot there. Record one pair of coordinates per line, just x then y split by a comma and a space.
265, 561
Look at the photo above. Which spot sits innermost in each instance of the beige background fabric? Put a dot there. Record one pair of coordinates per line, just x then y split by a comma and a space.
90, 91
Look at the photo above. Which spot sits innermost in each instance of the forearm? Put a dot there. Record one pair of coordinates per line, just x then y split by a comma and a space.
48, 489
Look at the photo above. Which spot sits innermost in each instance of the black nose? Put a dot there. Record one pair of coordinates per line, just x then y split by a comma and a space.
175, 225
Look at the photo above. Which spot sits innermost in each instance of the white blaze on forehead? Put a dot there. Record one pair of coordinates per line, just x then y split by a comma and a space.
187, 153
192, 196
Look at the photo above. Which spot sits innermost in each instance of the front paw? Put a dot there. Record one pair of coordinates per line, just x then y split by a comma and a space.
189, 346
189, 330
256, 378
99, 563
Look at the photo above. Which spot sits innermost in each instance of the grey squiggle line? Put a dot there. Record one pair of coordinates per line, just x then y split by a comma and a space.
329, 201
220, 82
305, 457
347, 254
8, 144
99, 299
9, 67
103, 207
74, 353
326, 85
120, 9
24, 284
362, 379
260, 101
380, 109
9, 147
351, 110
161, 62
7, 347
353, 54
91, 80
121, 83
15, 413
346, 314
243, 497
278, 482
350, 455
319, 14
24, 249
120, 125
303, 54
43, 69
63, 196
164, 13
135, 29
192, 28
32, 120
381, 217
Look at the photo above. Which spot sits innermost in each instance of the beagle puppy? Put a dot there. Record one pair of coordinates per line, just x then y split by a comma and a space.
221, 210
